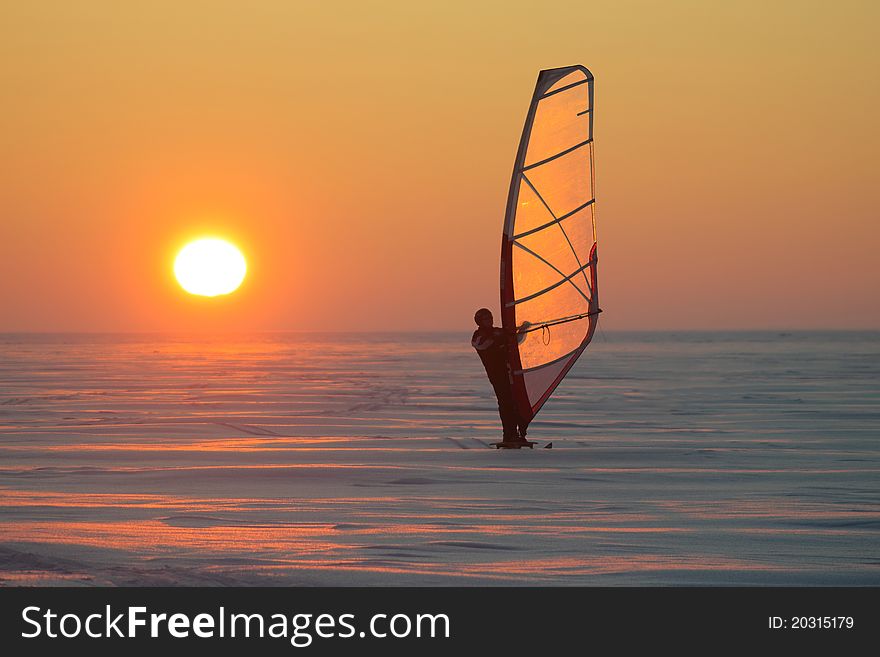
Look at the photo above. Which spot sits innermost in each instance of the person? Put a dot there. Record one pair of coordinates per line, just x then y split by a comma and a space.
491, 344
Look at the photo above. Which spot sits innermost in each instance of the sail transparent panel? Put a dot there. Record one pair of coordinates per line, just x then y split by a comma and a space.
539, 381
560, 302
560, 123
564, 183
562, 244
531, 275
530, 210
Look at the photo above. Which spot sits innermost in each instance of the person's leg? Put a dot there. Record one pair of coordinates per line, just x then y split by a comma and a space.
508, 419
506, 409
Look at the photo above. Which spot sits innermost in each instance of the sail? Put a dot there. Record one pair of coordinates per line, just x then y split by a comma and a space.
548, 252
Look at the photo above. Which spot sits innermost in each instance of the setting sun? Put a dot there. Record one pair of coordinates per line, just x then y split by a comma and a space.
210, 267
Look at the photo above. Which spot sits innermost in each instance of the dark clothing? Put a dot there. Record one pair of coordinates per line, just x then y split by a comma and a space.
491, 345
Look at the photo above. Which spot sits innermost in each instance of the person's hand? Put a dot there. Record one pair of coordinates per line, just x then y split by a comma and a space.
521, 332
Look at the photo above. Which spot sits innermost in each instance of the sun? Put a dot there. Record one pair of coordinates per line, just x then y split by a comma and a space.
210, 267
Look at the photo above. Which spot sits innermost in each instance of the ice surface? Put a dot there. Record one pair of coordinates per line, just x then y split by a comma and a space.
295, 459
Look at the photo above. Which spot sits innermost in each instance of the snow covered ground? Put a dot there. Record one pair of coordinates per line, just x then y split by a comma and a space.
295, 459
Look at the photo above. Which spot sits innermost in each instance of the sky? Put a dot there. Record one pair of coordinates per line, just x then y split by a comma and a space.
360, 155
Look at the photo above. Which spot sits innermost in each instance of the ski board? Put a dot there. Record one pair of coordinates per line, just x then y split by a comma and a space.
519, 444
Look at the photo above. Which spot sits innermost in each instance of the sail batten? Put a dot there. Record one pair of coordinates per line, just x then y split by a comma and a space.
550, 218
555, 220
564, 279
553, 157
581, 269
565, 88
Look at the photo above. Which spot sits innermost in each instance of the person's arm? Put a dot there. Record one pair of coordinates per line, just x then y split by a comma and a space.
480, 342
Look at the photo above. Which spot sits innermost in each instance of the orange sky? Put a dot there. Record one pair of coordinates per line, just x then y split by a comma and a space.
360, 154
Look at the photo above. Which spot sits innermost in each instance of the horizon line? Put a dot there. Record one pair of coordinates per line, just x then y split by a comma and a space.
424, 331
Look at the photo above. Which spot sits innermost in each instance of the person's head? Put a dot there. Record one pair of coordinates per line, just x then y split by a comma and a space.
483, 318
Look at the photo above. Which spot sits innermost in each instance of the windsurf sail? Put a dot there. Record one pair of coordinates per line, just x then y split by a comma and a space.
549, 292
